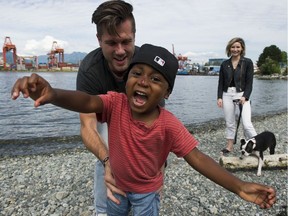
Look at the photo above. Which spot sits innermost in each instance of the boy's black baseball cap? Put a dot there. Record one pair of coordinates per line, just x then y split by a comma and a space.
160, 59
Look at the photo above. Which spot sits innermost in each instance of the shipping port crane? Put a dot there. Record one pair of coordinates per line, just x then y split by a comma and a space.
7, 46
27, 62
52, 59
182, 60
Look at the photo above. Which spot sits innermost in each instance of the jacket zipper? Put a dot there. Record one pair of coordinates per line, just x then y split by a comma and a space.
241, 75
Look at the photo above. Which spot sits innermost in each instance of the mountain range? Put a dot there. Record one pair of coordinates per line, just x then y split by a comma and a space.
74, 57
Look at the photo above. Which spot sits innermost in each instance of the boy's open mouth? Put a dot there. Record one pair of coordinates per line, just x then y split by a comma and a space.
140, 98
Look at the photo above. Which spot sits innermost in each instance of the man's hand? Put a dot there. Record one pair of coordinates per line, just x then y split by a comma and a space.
111, 185
112, 188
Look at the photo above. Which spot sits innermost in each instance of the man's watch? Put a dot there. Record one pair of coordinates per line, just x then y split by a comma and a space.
105, 160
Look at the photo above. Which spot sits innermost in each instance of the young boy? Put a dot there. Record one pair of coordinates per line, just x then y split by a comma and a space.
141, 133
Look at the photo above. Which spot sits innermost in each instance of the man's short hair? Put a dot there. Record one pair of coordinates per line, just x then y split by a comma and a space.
110, 14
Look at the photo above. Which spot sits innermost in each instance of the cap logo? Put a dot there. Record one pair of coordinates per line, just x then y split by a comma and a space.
159, 61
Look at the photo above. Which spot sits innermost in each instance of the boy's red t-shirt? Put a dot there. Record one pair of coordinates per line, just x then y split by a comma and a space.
138, 152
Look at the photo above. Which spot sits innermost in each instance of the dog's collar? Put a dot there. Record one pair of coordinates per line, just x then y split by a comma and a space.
252, 140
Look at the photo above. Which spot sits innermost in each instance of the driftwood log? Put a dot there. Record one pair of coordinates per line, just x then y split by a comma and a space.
270, 161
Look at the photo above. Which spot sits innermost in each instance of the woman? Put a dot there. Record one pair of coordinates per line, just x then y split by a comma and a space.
234, 90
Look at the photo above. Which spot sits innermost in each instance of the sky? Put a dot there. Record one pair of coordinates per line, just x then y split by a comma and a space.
197, 29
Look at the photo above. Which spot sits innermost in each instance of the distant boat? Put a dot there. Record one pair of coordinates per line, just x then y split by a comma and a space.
183, 66
214, 70
183, 71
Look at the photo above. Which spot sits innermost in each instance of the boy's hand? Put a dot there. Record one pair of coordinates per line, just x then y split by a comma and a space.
261, 195
34, 87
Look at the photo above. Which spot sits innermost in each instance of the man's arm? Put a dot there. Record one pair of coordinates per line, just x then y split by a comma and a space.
95, 144
90, 136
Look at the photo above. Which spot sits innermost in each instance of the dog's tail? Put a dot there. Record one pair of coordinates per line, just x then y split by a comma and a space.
273, 146
272, 150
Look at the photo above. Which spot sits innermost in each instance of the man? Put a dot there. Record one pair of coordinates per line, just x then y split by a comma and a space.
103, 70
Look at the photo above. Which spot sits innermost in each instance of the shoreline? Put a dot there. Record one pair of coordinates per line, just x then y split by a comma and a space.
52, 145
217, 124
75, 69
61, 183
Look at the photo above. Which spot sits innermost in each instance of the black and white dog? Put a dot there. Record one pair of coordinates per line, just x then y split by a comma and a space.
257, 145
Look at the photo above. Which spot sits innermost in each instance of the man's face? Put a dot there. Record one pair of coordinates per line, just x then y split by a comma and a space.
118, 50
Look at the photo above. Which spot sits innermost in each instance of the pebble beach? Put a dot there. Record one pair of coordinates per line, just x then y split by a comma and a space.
61, 183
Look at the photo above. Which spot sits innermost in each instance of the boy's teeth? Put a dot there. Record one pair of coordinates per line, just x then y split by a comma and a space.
140, 93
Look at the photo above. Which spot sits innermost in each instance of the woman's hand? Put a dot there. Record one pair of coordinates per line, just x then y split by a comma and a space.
242, 100
220, 103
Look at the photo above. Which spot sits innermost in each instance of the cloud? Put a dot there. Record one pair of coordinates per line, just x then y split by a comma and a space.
199, 27
33, 47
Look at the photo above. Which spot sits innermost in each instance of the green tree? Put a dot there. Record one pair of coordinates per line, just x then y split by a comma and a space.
284, 57
272, 52
285, 72
269, 67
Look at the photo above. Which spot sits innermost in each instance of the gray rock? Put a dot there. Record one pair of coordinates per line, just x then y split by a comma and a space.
62, 184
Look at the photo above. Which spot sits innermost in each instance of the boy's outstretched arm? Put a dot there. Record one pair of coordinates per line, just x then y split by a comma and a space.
42, 93
262, 195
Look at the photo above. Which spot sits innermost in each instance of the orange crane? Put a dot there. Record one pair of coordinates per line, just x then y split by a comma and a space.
52, 59
6, 48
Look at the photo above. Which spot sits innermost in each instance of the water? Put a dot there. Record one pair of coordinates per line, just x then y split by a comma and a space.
194, 98
193, 101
